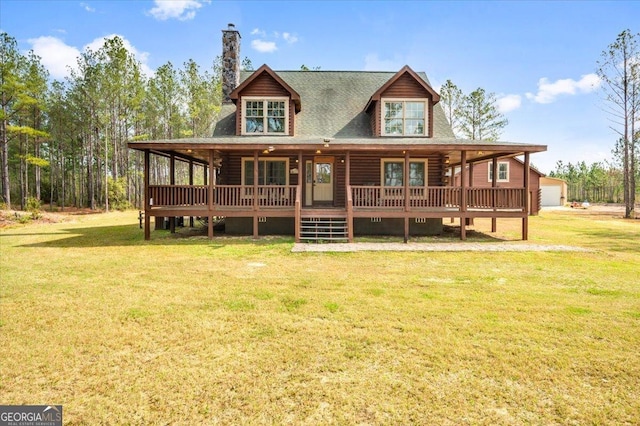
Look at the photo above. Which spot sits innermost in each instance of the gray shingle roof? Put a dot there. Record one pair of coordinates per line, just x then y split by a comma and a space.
333, 104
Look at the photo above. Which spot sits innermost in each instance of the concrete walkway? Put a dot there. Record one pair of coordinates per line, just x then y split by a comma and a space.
515, 246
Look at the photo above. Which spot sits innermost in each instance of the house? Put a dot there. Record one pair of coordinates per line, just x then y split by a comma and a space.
329, 155
509, 174
553, 192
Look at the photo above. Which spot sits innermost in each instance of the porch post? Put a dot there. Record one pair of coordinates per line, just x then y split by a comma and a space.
469, 221
191, 184
527, 203
210, 203
347, 181
405, 181
494, 184
463, 195
147, 204
172, 181
298, 205
453, 183
255, 194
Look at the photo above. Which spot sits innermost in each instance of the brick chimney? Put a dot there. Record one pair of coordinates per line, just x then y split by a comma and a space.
230, 61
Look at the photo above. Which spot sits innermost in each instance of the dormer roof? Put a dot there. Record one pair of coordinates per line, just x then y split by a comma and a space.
264, 69
406, 70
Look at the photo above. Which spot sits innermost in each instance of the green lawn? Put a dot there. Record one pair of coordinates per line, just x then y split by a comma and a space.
189, 331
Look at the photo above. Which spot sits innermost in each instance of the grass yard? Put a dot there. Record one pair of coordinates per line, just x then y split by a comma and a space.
189, 331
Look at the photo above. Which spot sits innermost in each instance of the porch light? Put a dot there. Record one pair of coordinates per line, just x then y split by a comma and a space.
318, 151
189, 151
446, 160
266, 151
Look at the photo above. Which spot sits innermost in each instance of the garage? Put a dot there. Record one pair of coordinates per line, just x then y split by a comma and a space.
552, 192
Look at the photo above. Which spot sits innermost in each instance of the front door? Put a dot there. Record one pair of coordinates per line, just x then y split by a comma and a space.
323, 175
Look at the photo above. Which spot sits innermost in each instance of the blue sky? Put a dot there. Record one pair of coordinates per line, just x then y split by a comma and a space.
538, 57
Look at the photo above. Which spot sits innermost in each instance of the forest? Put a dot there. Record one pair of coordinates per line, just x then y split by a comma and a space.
64, 143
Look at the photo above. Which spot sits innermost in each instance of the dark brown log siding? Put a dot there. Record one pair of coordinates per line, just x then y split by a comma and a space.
264, 86
366, 169
231, 172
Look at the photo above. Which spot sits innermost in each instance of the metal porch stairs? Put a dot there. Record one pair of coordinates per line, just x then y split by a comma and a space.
324, 229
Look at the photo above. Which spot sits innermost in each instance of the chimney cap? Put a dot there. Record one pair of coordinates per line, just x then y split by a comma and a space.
231, 26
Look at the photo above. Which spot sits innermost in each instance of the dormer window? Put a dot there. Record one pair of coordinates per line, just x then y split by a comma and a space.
265, 116
405, 117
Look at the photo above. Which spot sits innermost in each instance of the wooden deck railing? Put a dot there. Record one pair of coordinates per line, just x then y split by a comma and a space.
361, 197
225, 196
178, 195
437, 197
496, 198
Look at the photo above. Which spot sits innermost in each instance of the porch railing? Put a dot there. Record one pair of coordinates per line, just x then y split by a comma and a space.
224, 196
362, 197
437, 197
178, 195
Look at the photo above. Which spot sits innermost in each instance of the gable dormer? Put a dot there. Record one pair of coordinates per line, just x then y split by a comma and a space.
403, 106
265, 105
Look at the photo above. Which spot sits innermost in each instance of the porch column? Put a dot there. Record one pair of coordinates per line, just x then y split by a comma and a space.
210, 194
405, 181
172, 181
349, 195
452, 183
298, 204
469, 221
191, 183
463, 194
494, 184
255, 194
527, 203
147, 204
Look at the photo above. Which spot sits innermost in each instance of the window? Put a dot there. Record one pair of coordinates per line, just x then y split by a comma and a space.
393, 171
265, 116
503, 171
273, 171
405, 118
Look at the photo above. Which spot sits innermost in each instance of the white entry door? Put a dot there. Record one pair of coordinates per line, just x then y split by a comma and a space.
323, 174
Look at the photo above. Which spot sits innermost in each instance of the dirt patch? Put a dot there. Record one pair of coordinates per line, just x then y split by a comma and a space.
15, 217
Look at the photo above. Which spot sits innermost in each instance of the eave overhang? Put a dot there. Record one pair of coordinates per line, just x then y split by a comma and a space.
295, 97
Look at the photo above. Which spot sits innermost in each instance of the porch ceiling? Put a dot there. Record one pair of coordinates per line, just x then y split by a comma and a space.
198, 149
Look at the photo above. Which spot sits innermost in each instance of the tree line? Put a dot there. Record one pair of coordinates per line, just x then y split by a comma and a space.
65, 142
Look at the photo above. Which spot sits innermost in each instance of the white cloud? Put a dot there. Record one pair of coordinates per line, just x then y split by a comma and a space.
508, 103
183, 10
289, 38
86, 7
373, 63
56, 56
264, 46
548, 92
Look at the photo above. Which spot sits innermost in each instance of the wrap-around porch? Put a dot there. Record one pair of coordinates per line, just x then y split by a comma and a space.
259, 201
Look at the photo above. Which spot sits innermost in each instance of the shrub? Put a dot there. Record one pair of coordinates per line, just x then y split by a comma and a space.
118, 194
33, 207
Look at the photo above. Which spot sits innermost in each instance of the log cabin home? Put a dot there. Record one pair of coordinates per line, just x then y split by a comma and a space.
329, 155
